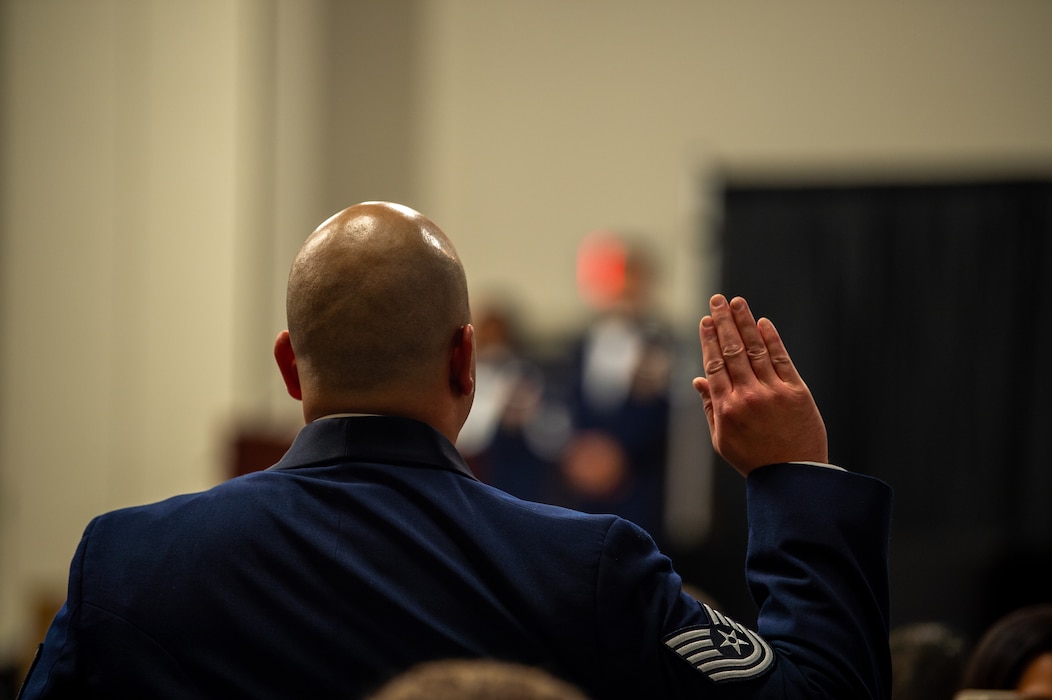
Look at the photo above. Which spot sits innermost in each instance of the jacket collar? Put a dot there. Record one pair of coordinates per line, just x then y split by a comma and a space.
377, 439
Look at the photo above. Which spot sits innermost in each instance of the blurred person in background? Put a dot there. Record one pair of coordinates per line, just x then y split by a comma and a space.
618, 388
1014, 654
926, 661
503, 439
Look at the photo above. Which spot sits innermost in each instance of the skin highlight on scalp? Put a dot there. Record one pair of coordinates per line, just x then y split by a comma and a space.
375, 300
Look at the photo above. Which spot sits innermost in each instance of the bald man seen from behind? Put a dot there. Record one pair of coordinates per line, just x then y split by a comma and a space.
370, 547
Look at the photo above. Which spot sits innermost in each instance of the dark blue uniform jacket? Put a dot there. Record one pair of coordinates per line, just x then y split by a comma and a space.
370, 547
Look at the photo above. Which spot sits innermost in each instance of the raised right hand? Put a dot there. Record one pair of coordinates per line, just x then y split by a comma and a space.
758, 407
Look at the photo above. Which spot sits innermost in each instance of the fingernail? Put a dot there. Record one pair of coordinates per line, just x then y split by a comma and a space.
716, 300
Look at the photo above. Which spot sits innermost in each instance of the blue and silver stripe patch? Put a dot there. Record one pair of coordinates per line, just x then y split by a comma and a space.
724, 650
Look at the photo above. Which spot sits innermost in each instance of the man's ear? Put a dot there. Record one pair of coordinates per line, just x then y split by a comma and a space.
462, 362
286, 359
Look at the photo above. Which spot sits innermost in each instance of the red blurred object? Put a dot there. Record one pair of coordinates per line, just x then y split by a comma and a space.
601, 263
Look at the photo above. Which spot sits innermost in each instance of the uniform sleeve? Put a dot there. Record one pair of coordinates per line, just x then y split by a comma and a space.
817, 569
55, 672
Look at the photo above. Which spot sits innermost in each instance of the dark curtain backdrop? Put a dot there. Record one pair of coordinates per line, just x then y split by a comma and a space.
921, 318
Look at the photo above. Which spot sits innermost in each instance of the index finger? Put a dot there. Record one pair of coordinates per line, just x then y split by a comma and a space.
779, 356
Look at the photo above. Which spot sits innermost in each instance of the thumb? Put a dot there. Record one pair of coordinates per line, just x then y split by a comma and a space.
701, 385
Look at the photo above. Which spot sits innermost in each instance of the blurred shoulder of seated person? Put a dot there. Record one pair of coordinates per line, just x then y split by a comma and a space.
1014, 654
927, 659
476, 679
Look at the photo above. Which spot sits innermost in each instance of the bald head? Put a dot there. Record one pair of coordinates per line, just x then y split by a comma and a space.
377, 300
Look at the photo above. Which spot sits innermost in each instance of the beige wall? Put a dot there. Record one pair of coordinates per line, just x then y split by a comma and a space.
162, 159
551, 117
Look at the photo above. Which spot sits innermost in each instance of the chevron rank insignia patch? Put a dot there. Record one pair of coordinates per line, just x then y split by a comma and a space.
724, 650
